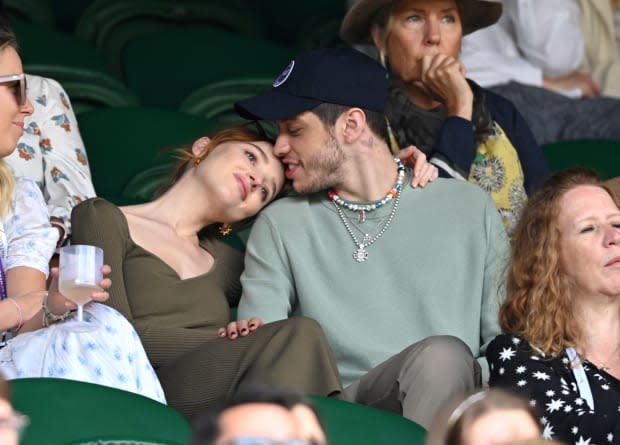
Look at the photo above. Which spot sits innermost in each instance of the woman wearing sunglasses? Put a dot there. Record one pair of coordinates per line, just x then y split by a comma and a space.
32, 341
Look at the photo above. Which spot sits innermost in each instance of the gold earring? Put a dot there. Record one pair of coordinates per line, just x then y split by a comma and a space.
225, 229
197, 161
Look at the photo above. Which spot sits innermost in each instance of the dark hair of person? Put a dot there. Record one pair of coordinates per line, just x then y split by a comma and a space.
540, 296
328, 114
206, 428
7, 36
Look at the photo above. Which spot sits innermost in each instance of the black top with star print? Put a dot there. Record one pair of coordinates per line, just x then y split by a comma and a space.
551, 386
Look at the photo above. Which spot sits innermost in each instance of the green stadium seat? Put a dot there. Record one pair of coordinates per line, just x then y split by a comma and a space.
300, 24
349, 423
68, 12
216, 100
600, 155
193, 58
122, 142
33, 11
42, 45
88, 89
109, 25
64, 412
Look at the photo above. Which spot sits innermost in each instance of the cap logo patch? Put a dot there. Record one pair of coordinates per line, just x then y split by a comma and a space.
282, 77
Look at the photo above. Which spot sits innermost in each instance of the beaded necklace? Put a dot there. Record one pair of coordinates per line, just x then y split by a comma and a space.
361, 209
360, 254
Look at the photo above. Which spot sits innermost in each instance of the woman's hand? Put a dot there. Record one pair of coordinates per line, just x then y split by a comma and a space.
240, 328
423, 171
58, 304
444, 76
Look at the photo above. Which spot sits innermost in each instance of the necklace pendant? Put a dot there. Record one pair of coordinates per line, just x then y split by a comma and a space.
361, 216
360, 255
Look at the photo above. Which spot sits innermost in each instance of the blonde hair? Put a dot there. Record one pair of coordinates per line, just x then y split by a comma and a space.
539, 302
7, 184
7, 181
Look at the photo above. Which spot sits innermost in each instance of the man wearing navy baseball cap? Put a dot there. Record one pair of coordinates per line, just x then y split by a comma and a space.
403, 280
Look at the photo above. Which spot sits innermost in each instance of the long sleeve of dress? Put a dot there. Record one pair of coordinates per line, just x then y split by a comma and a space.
550, 385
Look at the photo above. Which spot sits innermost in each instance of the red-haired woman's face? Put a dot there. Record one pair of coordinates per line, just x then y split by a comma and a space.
244, 177
589, 225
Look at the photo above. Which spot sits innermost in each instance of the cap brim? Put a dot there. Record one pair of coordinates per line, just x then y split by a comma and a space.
274, 105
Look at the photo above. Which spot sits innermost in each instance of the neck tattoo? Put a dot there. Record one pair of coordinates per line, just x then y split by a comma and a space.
362, 209
360, 254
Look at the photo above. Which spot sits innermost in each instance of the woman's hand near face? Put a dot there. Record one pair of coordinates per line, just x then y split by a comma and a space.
240, 328
444, 76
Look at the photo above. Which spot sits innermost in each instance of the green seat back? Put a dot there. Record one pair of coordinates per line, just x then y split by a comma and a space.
88, 89
42, 45
65, 412
110, 25
33, 11
196, 57
349, 423
216, 100
122, 142
600, 155
303, 25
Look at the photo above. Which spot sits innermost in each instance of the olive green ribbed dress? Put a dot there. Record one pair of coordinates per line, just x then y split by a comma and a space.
177, 320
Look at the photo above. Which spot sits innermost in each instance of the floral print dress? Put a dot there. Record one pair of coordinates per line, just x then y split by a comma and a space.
51, 151
110, 354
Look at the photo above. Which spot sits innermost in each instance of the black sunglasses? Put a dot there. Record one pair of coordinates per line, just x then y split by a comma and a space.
17, 85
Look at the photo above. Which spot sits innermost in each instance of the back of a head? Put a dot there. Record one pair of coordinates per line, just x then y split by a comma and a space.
207, 429
453, 424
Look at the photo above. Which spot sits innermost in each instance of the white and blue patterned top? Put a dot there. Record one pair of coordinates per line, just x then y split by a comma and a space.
110, 354
26, 236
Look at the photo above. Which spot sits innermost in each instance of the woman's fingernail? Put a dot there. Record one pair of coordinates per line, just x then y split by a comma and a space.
252, 325
244, 330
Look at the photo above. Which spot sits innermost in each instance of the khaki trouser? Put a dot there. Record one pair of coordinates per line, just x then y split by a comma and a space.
417, 381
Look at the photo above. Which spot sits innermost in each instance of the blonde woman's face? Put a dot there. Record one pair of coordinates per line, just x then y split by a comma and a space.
589, 225
499, 427
419, 28
11, 113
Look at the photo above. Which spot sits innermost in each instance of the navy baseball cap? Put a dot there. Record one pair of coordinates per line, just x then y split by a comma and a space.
342, 76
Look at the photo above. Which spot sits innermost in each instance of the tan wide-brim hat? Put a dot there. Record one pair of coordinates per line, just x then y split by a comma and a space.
475, 14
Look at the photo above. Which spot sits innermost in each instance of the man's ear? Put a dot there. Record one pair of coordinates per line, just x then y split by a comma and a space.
354, 124
200, 146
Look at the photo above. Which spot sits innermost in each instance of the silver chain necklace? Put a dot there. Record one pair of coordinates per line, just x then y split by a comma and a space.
361, 254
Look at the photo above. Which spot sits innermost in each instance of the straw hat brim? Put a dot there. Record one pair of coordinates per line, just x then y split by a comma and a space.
475, 14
